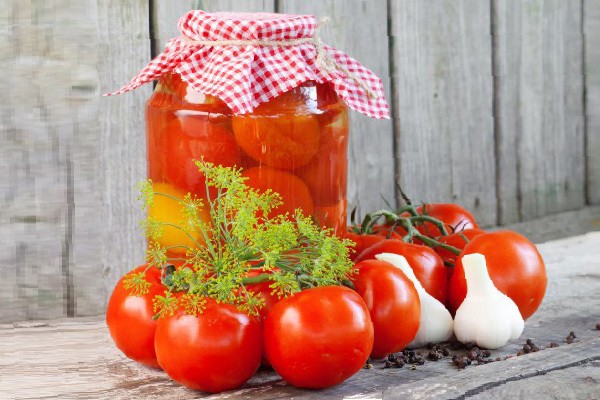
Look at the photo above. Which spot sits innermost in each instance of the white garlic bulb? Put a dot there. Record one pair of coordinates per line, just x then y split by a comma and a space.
436, 322
487, 316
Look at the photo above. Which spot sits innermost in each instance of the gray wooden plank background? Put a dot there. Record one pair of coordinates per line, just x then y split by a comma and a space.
496, 106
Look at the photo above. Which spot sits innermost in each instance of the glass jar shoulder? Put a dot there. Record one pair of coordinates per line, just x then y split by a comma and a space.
310, 98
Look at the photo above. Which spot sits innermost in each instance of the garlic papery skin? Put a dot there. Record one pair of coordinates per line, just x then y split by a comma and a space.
436, 323
487, 316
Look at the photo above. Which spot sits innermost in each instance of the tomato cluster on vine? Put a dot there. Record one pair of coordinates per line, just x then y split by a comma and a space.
435, 237
322, 335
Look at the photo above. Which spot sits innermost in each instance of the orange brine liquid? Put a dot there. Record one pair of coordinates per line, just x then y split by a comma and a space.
295, 145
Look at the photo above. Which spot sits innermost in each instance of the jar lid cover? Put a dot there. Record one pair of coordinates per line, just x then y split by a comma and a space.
247, 59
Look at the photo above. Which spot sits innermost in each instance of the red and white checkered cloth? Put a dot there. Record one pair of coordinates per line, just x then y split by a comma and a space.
243, 76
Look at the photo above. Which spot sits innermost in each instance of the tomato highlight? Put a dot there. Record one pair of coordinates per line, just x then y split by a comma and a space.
319, 337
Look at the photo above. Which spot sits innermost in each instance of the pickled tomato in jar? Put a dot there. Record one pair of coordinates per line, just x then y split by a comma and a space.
295, 145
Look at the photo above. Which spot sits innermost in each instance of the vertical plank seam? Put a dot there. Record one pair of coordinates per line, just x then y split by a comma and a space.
586, 149
66, 259
520, 128
393, 106
276, 6
152, 29
497, 125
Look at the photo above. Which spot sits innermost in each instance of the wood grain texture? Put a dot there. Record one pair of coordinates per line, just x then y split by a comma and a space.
558, 225
48, 144
359, 28
124, 42
538, 56
548, 374
443, 92
591, 30
76, 358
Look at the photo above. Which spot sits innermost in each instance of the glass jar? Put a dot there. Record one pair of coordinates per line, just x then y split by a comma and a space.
295, 144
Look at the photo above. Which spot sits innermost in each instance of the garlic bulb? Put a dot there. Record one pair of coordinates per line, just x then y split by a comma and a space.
436, 322
487, 316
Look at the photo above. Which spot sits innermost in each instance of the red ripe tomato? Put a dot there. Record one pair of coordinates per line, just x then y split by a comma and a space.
129, 318
217, 350
427, 265
454, 217
293, 190
393, 304
514, 264
190, 138
263, 290
458, 240
363, 241
285, 142
319, 337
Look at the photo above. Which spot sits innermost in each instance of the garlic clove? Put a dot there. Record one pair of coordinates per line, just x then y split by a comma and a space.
487, 316
436, 322
517, 324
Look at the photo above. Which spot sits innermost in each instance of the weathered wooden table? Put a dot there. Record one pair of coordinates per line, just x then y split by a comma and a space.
75, 358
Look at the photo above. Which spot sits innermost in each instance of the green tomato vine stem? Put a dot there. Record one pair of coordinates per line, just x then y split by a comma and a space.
408, 223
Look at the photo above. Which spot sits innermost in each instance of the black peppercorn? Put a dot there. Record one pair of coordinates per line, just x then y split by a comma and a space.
469, 345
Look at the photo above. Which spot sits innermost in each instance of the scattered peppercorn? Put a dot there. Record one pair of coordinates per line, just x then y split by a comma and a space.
473, 353
394, 361
529, 347
461, 361
435, 355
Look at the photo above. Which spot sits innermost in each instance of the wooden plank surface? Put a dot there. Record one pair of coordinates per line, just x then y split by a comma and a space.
75, 358
124, 43
591, 30
538, 57
48, 137
559, 225
359, 28
69, 218
443, 92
